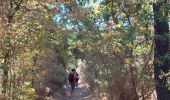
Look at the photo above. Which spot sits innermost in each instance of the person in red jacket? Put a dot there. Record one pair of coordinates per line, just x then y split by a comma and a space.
73, 79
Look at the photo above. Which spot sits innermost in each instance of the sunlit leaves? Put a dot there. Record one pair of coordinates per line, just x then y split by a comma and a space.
143, 49
97, 9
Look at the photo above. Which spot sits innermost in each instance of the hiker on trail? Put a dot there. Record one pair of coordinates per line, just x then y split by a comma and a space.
73, 79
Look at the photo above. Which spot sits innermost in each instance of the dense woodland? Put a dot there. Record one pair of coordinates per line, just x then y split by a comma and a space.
120, 46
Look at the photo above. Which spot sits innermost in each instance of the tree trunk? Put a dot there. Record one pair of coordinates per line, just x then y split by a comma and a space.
161, 61
5, 74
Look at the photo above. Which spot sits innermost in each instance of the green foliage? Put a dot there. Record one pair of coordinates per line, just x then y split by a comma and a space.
115, 35
27, 91
1, 65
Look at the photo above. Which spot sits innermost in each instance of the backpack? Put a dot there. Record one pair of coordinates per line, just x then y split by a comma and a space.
71, 79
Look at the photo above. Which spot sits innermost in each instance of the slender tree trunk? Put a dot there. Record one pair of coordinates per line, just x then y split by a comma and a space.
132, 71
133, 83
8, 8
7, 60
161, 61
7, 53
5, 74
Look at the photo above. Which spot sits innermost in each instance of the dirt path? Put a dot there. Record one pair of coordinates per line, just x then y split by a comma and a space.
81, 93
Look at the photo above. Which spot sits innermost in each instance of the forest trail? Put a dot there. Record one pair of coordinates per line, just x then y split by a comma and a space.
81, 93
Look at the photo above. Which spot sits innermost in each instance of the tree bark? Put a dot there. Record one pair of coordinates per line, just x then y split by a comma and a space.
161, 61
